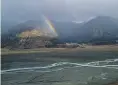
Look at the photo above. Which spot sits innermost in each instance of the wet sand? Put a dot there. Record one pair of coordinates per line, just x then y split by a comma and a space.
113, 83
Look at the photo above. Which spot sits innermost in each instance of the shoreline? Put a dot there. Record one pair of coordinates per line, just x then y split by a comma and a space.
60, 54
100, 48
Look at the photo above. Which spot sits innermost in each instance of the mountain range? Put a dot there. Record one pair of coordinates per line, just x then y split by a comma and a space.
100, 27
97, 27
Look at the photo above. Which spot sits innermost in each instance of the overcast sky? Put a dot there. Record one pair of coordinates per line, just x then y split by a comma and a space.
66, 10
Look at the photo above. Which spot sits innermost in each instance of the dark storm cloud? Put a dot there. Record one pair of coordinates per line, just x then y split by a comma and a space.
58, 9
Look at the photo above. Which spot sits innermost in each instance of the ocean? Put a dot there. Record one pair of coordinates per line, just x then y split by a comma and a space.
76, 68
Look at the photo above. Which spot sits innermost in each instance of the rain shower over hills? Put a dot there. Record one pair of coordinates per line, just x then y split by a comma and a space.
44, 32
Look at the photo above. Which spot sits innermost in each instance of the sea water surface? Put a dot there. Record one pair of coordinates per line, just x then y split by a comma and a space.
87, 68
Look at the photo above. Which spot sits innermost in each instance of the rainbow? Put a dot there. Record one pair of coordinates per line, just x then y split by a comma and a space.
51, 27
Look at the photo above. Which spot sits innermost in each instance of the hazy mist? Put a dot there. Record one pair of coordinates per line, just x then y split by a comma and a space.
66, 10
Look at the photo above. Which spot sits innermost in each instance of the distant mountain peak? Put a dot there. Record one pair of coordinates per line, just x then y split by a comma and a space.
91, 18
99, 18
78, 22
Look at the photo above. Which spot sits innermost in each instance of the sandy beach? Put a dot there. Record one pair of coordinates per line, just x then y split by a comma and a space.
113, 83
108, 48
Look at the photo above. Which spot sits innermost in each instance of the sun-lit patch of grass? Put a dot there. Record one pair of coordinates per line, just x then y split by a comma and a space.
32, 33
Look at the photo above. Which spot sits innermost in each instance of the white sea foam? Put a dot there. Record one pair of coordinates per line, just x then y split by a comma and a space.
63, 65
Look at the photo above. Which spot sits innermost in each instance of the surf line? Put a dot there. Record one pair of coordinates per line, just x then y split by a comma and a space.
60, 67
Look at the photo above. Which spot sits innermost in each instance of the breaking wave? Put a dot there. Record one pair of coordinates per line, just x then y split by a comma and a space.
109, 63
